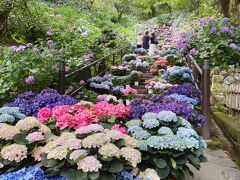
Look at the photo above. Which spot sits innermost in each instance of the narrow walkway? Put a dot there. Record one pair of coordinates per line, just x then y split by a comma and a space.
218, 167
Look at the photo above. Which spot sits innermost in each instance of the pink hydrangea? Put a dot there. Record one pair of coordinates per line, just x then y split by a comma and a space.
82, 82
58, 111
120, 129
107, 110
85, 118
35, 136
89, 164
152, 71
65, 120
77, 108
129, 91
161, 62
44, 114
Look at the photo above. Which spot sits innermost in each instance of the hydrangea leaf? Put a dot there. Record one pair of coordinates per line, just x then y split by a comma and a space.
93, 175
160, 163
163, 172
116, 167
74, 174
20, 139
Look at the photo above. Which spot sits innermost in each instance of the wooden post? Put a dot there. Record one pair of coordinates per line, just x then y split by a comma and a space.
113, 59
61, 88
206, 109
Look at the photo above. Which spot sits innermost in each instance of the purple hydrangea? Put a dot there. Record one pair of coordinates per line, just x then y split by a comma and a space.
233, 46
194, 52
29, 103
30, 80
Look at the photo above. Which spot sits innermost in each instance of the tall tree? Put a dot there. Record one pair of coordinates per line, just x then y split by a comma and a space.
225, 7
122, 6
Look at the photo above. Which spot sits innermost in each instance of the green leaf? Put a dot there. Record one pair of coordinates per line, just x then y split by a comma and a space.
107, 177
112, 119
174, 164
20, 138
116, 167
194, 161
72, 174
163, 172
203, 159
160, 163
50, 163
93, 175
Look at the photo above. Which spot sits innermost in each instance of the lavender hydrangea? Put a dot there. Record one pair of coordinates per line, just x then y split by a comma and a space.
29, 102
184, 98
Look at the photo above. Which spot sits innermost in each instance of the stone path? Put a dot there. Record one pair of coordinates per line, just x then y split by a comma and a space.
218, 167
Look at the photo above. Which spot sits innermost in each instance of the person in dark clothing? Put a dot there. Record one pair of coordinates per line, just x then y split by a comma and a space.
153, 44
145, 40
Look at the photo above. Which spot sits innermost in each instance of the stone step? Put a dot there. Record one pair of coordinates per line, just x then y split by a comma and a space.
142, 91
140, 86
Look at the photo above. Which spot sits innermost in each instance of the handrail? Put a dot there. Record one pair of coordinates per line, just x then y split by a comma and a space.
195, 63
93, 63
203, 76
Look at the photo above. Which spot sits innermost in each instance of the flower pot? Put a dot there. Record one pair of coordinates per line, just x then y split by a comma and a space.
136, 83
128, 102
127, 86
150, 91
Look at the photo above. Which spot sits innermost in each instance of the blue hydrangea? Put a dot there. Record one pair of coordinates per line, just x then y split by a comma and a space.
151, 123
202, 143
166, 142
134, 122
150, 115
184, 98
124, 175
29, 173
186, 76
141, 135
186, 132
191, 142
167, 116
185, 123
143, 145
10, 114
134, 128
165, 131
7, 118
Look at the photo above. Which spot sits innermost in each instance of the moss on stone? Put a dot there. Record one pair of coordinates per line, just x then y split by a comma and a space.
215, 144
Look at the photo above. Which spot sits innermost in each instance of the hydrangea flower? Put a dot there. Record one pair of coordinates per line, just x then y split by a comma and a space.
130, 141
28, 123
89, 129
184, 98
165, 131
89, 164
186, 132
151, 123
141, 135
109, 150
134, 128
14, 152
167, 116
131, 155
190, 142
95, 140
36, 154
149, 115
7, 132
166, 142
113, 134
34, 137
133, 122
59, 152
143, 145
30, 80
78, 153
185, 123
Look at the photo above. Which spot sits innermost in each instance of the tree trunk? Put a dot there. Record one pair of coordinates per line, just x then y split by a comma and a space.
225, 7
5, 36
236, 9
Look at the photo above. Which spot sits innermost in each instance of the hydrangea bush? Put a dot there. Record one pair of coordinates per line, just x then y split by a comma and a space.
168, 142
